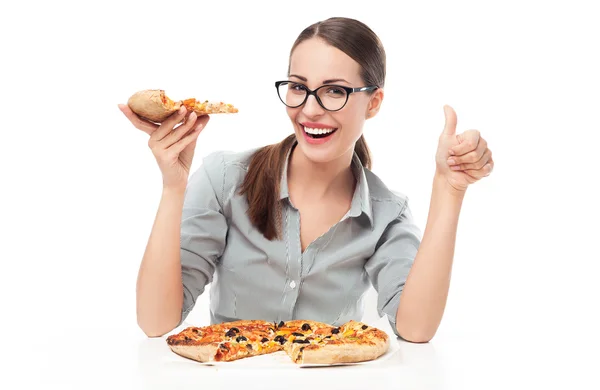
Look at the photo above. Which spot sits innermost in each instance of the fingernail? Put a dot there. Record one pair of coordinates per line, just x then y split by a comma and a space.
451, 152
181, 109
451, 162
121, 106
455, 168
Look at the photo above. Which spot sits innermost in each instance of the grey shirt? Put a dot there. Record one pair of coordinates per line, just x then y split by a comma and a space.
254, 278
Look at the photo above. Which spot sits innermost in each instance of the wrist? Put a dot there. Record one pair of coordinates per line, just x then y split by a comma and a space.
441, 184
174, 190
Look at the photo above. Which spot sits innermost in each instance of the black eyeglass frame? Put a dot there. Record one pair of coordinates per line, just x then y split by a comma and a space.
309, 92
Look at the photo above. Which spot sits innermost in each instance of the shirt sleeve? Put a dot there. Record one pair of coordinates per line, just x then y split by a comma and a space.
203, 229
389, 266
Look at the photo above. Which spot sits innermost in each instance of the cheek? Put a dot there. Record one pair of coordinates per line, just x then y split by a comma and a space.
292, 113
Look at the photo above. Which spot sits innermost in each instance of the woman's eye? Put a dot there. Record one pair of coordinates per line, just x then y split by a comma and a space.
297, 87
336, 91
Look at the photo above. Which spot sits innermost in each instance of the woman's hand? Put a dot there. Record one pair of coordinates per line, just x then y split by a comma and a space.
462, 159
173, 147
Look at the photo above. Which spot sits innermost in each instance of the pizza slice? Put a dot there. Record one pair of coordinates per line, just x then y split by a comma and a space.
351, 343
225, 342
156, 106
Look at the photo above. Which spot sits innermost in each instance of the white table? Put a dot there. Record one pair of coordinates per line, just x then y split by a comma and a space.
84, 356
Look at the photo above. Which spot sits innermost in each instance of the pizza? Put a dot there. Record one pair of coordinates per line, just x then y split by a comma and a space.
154, 105
305, 342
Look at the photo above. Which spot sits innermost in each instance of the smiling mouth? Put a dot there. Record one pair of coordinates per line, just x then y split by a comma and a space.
318, 133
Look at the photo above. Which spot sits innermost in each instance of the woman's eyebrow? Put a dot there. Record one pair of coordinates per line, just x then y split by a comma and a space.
300, 77
334, 81
329, 81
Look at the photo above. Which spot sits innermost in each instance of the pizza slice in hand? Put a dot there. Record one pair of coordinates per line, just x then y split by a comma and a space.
156, 106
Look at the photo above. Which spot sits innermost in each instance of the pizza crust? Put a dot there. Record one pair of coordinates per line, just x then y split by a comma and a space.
152, 104
201, 353
341, 353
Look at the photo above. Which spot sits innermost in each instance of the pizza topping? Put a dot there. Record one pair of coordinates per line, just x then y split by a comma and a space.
335, 331
264, 340
305, 327
297, 334
281, 324
300, 341
241, 338
230, 333
249, 347
279, 339
364, 327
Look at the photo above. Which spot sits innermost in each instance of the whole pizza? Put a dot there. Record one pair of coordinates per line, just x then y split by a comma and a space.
305, 342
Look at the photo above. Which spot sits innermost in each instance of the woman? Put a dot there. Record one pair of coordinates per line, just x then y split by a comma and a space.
299, 229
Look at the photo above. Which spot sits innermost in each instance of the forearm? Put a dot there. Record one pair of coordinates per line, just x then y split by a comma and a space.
159, 285
425, 292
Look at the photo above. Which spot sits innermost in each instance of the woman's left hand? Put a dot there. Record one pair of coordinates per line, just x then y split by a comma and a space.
462, 159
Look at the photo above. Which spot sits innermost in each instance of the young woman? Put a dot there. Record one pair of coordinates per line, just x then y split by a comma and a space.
300, 229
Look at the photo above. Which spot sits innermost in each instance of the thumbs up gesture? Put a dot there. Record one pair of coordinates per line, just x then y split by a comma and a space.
462, 159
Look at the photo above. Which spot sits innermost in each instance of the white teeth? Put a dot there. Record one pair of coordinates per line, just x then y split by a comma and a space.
318, 131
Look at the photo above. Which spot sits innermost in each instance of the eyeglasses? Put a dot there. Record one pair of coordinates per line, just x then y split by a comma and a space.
331, 97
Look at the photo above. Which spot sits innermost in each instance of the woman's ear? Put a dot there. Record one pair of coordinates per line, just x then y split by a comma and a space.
374, 103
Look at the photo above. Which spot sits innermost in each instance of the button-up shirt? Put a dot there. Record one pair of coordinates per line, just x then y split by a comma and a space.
251, 277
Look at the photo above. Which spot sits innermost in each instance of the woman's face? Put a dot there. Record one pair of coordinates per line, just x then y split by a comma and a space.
314, 63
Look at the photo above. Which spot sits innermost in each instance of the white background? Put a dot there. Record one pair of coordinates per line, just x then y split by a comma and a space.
80, 188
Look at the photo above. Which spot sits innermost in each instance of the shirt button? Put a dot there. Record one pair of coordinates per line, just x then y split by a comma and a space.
293, 284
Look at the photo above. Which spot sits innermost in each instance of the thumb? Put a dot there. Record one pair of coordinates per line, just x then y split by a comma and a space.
450, 125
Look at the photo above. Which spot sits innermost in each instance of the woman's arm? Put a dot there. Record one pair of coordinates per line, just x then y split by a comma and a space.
159, 286
424, 296
461, 160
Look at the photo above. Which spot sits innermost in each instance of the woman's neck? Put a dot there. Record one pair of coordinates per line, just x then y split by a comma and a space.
318, 181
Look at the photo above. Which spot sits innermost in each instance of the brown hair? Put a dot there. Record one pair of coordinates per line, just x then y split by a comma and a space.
261, 184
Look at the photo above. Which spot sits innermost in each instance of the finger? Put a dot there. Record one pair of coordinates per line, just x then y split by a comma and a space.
479, 173
468, 142
178, 147
450, 124
470, 157
167, 126
487, 155
139, 123
180, 131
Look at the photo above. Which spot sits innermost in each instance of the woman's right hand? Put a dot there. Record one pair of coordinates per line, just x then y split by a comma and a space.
173, 147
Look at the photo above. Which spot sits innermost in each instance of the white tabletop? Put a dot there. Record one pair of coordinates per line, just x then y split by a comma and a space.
88, 356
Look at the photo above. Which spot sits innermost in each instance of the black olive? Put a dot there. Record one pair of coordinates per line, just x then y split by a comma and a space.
230, 333
281, 324
328, 337
297, 334
364, 327
236, 330
187, 338
195, 331
335, 331
264, 340
302, 349
300, 341
241, 338
223, 347
305, 327
280, 339
249, 346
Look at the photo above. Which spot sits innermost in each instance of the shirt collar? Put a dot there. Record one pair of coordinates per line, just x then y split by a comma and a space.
361, 200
